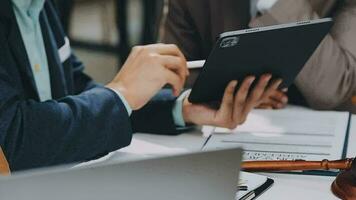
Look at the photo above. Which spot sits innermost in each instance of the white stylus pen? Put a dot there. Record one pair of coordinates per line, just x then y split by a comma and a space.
196, 64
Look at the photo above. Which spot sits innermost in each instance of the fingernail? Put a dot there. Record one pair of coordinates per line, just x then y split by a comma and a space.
285, 99
285, 90
234, 83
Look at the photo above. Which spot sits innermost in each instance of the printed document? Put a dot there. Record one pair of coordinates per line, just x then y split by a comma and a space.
288, 134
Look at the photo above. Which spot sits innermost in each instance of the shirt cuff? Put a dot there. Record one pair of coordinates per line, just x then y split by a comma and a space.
126, 104
177, 110
264, 6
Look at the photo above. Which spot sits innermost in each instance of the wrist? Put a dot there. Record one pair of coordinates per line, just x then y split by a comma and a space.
187, 111
118, 88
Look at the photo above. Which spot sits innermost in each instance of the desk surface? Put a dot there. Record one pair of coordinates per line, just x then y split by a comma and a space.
286, 186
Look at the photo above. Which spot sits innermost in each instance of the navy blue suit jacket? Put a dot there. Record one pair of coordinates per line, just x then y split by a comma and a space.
84, 121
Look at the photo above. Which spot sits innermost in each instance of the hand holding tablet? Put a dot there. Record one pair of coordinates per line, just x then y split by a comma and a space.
280, 50
273, 98
236, 103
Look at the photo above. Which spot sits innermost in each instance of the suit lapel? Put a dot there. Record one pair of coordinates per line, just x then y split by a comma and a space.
18, 50
58, 82
17, 46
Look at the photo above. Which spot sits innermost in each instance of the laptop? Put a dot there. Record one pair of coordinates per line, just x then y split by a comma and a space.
208, 175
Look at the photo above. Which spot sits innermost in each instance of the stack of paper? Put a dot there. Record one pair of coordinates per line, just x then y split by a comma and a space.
287, 134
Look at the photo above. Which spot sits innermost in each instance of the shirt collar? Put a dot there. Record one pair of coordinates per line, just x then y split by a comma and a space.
33, 7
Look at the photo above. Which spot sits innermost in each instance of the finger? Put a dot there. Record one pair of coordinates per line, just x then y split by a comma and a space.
279, 97
260, 88
275, 85
167, 49
176, 64
227, 103
274, 103
256, 94
272, 89
174, 80
240, 99
265, 106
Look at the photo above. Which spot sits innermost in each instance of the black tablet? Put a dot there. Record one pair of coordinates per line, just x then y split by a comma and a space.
280, 50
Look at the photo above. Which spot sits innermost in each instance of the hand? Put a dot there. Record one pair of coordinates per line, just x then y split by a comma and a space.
147, 70
233, 109
274, 98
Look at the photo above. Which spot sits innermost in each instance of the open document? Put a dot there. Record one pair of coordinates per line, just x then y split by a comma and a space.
288, 134
351, 147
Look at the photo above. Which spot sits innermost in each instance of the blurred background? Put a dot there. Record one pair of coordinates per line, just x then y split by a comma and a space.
102, 32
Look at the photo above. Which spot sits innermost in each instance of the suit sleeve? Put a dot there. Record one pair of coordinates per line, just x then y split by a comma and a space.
70, 129
181, 30
156, 117
328, 80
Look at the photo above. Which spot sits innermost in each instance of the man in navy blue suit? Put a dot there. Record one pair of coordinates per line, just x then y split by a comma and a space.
52, 113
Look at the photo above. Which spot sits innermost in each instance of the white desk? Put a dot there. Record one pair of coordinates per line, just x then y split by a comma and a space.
286, 186
295, 187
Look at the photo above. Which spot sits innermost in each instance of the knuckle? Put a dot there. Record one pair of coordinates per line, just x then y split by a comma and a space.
173, 46
255, 96
239, 101
153, 56
137, 48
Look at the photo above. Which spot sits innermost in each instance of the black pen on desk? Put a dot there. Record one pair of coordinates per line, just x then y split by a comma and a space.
253, 194
195, 64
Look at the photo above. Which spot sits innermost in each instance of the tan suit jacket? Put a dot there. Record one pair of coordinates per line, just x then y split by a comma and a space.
328, 80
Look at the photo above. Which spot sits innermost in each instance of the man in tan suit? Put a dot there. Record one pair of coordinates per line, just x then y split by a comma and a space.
328, 80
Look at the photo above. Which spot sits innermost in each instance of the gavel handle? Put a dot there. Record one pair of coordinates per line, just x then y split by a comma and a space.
354, 100
297, 165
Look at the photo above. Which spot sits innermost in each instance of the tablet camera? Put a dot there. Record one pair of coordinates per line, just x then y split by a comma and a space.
229, 42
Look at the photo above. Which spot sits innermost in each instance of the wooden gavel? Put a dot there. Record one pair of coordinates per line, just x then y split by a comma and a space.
296, 165
343, 187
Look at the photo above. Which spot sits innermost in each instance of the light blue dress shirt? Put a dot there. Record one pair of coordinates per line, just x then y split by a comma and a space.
27, 14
